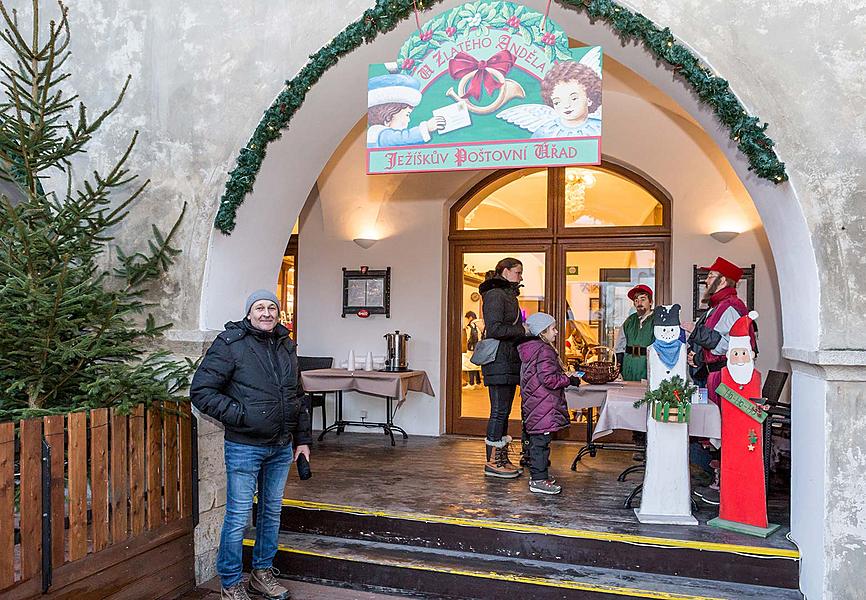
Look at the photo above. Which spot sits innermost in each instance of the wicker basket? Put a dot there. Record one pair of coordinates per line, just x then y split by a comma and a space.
602, 370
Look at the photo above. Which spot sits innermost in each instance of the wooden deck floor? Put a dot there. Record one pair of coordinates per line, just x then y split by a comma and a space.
443, 476
299, 590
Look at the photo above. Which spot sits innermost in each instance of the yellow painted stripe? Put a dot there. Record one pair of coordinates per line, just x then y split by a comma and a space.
560, 531
554, 583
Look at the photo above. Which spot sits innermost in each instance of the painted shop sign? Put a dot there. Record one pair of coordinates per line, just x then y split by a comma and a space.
486, 85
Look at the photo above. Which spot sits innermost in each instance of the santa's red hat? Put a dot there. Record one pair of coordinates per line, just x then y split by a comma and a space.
726, 268
740, 337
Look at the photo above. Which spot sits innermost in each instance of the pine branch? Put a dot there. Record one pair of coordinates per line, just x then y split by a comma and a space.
139, 267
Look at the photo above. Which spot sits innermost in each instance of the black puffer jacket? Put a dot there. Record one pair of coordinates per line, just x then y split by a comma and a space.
248, 380
502, 321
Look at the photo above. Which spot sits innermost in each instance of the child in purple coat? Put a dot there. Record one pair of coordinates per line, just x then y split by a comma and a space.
543, 380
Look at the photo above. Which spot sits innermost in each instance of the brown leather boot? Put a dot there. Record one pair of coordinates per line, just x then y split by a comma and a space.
500, 466
506, 460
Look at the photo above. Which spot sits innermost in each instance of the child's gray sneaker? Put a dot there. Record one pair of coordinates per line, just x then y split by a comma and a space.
544, 486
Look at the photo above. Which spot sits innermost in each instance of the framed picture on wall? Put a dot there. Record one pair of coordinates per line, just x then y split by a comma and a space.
745, 289
367, 292
594, 312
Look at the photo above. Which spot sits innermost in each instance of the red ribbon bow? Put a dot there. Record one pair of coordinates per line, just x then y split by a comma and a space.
462, 64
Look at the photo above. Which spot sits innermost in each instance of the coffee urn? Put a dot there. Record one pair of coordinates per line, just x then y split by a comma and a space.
396, 359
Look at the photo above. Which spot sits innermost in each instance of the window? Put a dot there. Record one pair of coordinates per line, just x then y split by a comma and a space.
516, 201
601, 198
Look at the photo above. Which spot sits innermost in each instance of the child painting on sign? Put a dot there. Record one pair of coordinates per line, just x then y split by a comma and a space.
571, 92
390, 101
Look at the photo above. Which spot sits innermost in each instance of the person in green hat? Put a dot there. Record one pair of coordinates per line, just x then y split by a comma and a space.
636, 334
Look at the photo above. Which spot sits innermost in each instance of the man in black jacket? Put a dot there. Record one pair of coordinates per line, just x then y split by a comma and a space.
249, 382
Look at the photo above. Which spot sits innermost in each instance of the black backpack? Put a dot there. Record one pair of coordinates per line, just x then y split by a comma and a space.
472, 338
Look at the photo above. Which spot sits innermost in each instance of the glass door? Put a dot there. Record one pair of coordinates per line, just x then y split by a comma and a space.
471, 268
595, 284
286, 287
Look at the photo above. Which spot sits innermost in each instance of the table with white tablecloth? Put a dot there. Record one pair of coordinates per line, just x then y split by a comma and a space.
593, 396
590, 397
617, 411
391, 385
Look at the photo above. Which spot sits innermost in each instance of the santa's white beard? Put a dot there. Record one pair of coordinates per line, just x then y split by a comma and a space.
742, 374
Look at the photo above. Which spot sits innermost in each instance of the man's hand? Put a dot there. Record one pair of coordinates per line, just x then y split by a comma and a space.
302, 449
690, 327
436, 124
691, 359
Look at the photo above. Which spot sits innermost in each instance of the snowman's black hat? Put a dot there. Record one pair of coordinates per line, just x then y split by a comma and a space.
666, 316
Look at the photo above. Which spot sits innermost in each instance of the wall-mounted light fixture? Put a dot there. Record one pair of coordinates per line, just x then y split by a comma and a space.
724, 236
365, 242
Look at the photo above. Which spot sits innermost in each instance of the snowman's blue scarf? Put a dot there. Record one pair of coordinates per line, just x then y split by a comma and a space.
669, 352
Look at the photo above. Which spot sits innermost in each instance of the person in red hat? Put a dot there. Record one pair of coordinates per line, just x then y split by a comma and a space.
636, 334
709, 337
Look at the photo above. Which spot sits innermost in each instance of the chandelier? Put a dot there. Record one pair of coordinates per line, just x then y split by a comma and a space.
577, 182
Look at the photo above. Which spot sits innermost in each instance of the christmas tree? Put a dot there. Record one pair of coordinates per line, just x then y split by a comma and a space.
73, 332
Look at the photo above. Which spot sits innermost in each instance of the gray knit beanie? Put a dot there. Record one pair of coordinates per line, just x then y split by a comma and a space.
260, 295
538, 322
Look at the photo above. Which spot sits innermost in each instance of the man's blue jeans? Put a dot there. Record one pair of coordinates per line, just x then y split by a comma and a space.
244, 465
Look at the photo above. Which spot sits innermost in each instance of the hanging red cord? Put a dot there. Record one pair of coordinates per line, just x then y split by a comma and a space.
546, 12
417, 18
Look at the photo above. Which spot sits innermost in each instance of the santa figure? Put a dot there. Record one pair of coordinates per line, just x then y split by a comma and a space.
743, 490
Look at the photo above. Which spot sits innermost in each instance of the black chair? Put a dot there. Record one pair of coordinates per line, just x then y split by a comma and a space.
778, 415
314, 399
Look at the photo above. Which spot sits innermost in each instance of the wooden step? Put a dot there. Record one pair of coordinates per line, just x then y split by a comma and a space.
696, 559
469, 575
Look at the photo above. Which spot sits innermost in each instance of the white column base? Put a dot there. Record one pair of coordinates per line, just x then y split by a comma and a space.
665, 519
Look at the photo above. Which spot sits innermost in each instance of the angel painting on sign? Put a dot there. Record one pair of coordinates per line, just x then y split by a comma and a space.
572, 94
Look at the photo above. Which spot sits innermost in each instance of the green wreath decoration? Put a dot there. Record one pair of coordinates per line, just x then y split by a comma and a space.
746, 130
670, 401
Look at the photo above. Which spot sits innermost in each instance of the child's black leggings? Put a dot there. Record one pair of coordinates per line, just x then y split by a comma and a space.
539, 456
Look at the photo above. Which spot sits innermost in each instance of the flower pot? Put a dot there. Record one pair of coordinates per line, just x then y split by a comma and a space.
667, 412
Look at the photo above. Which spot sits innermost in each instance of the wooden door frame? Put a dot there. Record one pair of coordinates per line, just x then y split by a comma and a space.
554, 240
291, 250
454, 320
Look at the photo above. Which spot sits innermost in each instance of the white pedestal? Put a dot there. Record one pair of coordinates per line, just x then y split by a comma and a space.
666, 495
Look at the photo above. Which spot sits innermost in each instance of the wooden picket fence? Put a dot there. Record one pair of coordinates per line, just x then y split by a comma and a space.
93, 487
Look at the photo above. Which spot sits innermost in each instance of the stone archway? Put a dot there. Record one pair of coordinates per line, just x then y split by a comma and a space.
252, 253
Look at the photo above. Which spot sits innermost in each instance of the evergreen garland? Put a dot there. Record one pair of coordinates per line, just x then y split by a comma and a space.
665, 393
746, 130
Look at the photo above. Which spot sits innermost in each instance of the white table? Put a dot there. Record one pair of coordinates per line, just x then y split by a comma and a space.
590, 397
392, 385
618, 412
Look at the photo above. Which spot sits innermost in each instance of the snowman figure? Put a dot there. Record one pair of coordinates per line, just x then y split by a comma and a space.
666, 495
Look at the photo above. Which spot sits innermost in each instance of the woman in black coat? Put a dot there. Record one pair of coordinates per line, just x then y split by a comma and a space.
503, 321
